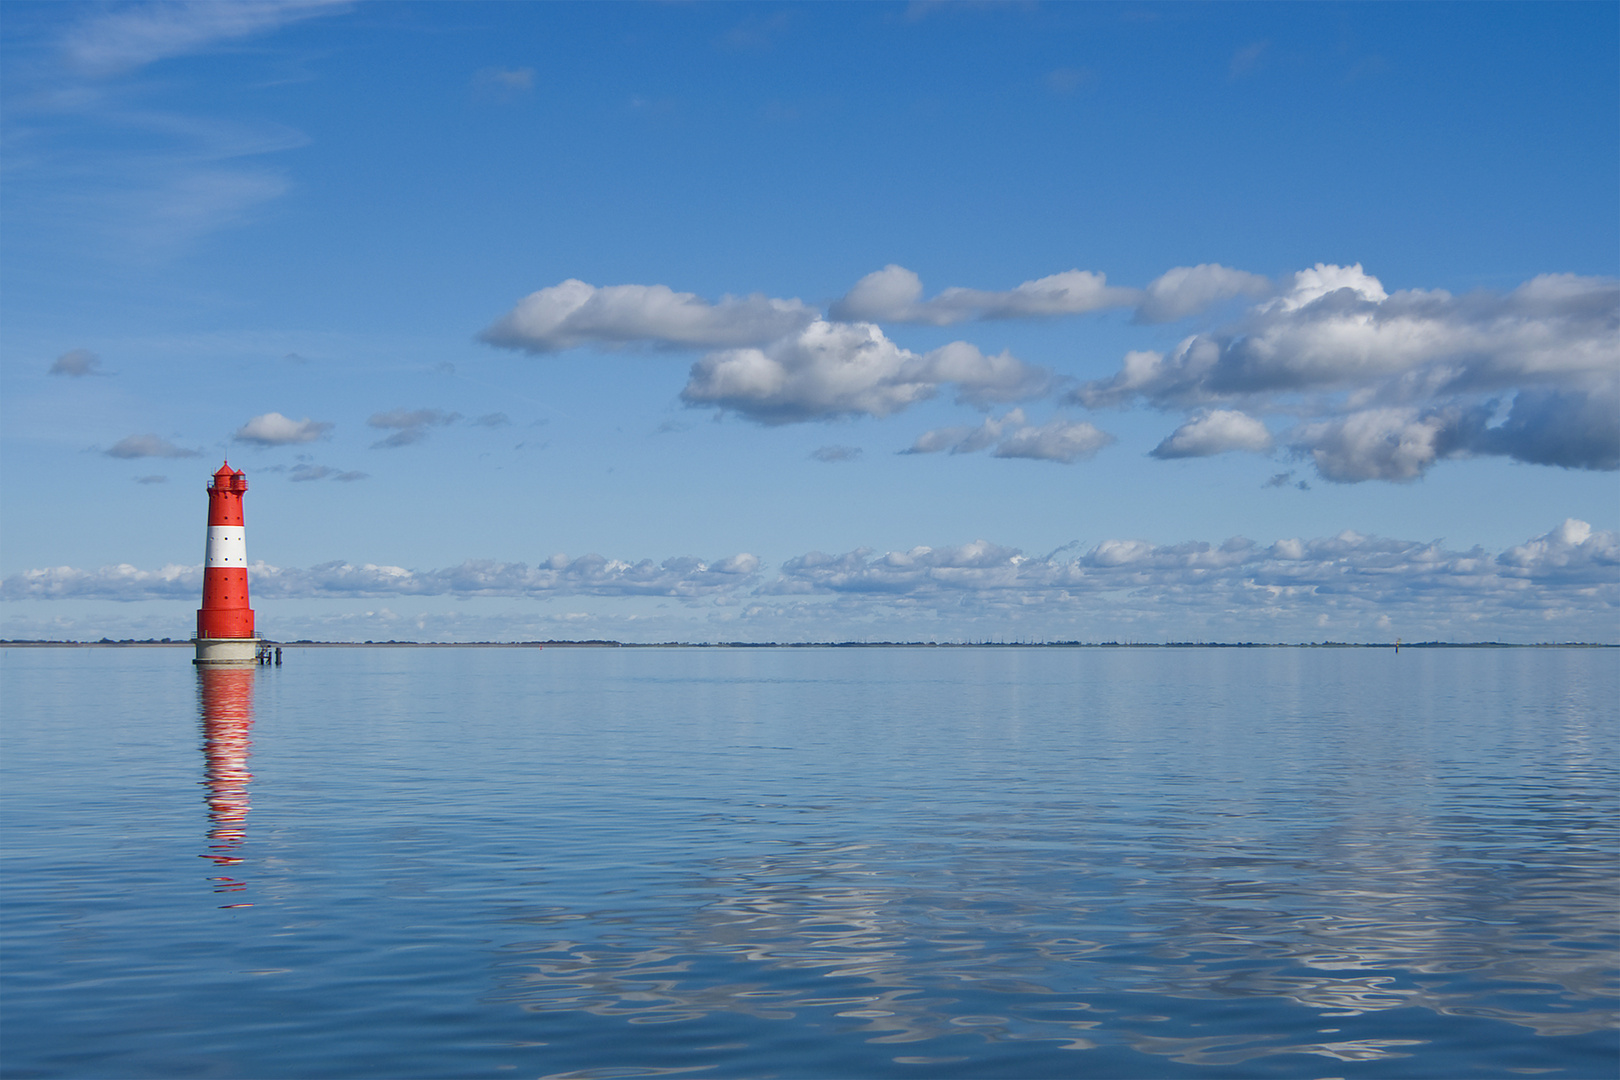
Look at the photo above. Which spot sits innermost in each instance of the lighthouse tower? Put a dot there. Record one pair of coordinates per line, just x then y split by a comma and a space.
225, 622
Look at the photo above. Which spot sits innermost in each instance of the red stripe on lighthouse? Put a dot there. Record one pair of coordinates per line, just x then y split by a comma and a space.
225, 612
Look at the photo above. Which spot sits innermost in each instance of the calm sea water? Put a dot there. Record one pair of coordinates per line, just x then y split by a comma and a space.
810, 863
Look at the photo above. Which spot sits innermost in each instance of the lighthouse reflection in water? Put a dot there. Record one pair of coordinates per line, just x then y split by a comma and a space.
225, 703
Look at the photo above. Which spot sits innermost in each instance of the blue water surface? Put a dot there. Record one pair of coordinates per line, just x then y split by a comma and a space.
811, 862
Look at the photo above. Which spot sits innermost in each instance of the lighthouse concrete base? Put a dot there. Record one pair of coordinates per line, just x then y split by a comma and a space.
227, 652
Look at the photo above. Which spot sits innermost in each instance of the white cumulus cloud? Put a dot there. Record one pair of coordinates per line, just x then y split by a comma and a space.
894, 294
1561, 585
1376, 385
1187, 290
1012, 436
1391, 383
589, 575
1375, 444
982, 379
274, 429
834, 369
1215, 432
119, 582
575, 313
1574, 551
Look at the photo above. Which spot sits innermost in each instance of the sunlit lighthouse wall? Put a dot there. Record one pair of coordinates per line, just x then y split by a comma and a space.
225, 622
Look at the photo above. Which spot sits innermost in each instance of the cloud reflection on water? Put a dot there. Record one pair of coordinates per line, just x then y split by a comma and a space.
1022, 931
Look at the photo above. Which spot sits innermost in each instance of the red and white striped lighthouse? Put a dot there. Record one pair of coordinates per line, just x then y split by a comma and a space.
225, 622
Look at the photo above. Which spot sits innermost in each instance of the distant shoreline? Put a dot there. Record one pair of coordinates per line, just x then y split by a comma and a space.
169, 644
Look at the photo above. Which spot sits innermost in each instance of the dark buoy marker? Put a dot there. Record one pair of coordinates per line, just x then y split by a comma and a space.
225, 622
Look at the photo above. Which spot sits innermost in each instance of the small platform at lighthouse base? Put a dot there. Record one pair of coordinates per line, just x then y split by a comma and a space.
227, 652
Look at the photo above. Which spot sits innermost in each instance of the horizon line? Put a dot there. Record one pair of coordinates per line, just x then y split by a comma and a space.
599, 643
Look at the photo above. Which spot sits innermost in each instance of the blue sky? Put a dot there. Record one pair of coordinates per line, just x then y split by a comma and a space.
758, 322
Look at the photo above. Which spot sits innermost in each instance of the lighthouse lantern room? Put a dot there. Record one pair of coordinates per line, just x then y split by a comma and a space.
225, 622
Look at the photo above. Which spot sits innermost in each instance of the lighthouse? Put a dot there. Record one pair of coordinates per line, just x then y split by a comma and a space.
225, 622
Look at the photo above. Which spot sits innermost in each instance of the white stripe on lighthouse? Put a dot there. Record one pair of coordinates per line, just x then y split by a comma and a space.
227, 546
